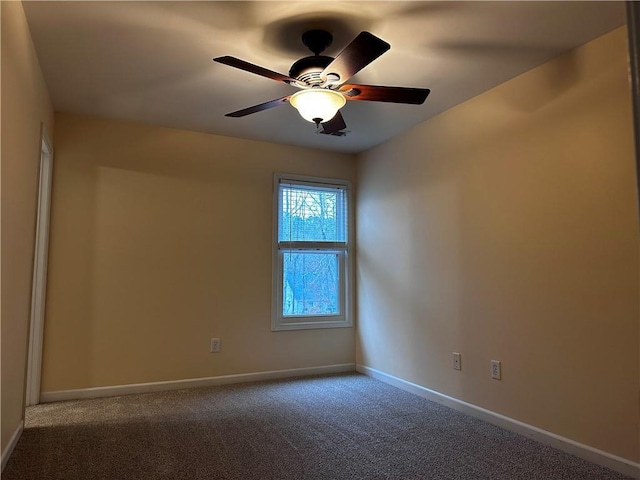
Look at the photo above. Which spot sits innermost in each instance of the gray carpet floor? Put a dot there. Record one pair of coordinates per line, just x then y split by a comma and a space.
332, 427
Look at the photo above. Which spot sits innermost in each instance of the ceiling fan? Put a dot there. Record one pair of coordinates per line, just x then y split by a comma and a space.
322, 81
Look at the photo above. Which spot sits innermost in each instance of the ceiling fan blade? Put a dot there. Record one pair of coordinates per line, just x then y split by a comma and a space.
363, 50
250, 67
334, 125
378, 93
258, 108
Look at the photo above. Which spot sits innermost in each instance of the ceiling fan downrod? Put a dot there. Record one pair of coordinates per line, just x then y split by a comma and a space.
317, 40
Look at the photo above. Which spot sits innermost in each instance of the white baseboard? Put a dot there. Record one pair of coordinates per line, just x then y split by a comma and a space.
112, 391
13, 441
586, 452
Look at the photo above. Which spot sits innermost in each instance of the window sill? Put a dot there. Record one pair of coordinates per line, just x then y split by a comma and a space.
309, 325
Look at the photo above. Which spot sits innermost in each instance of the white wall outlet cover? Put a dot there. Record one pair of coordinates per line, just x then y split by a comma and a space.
215, 345
457, 361
496, 370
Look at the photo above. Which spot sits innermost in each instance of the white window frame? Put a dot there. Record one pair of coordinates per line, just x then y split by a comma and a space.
345, 318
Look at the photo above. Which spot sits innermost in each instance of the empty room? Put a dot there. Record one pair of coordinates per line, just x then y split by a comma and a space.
320, 240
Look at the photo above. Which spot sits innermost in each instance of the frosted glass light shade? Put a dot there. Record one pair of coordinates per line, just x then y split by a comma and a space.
317, 103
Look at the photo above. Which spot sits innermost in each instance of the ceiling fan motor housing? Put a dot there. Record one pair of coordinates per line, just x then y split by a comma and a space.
308, 69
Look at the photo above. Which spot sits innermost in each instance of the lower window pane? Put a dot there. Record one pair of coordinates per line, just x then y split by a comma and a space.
310, 284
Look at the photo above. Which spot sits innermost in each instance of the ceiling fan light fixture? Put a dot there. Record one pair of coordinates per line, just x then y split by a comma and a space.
317, 105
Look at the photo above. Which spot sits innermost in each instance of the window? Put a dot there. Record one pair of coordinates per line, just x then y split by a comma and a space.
311, 253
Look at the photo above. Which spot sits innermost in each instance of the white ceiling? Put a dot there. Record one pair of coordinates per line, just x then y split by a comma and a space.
152, 61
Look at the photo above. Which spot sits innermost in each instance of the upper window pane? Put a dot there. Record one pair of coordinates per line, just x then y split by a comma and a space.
312, 214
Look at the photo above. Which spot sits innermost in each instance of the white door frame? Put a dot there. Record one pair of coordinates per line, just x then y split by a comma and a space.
36, 332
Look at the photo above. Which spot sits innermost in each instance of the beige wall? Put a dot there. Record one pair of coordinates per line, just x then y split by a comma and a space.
25, 104
506, 228
160, 240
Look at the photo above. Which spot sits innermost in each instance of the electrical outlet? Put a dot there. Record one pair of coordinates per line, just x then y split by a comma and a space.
496, 370
457, 362
215, 345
